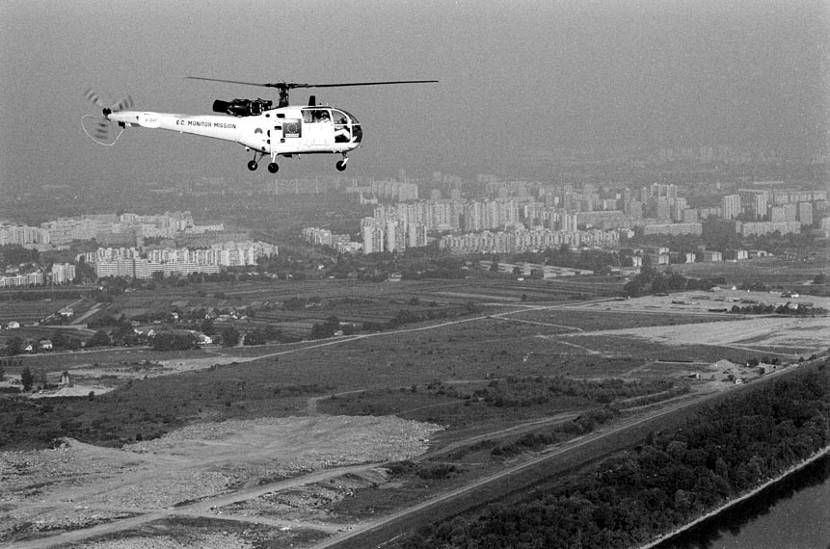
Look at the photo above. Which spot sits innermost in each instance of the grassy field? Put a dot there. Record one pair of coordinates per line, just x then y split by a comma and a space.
575, 319
771, 271
493, 340
30, 311
385, 363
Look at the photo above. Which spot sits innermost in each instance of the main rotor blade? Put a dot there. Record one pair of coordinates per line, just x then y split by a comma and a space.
294, 85
343, 85
229, 81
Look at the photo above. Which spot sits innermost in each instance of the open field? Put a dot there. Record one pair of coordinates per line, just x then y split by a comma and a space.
263, 438
608, 315
30, 311
688, 303
772, 271
801, 336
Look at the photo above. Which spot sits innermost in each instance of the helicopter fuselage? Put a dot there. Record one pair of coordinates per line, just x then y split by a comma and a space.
284, 131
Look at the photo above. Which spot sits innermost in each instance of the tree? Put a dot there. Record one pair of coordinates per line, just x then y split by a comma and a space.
99, 339
271, 332
256, 337
14, 346
659, 285
325, 329
58, 340
169, 341
207, 327
27, 378
230, 336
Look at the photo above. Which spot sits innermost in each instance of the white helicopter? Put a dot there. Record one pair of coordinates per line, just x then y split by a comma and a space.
285, 130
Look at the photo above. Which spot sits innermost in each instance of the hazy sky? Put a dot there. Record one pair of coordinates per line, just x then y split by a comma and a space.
516, 76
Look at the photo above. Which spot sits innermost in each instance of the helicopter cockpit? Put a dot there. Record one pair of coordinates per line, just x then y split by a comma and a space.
346, 126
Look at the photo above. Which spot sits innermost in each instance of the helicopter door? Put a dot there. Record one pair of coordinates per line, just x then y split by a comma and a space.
317, 127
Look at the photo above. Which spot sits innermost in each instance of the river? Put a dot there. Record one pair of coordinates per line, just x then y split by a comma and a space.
792, 514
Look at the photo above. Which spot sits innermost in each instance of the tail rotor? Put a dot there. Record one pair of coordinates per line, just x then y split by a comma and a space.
100, 128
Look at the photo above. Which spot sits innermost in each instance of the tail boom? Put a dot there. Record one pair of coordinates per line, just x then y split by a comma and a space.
219, 127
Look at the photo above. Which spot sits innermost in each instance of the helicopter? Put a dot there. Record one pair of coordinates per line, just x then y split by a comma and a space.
256, 124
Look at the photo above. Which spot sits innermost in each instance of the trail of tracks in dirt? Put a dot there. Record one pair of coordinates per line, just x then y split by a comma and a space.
203, 508
513, 430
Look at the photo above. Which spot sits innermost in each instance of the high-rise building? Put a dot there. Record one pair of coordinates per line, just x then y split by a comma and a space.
754, 202
391, 236
805, 213
416, 235
730, 206
784, 212
669, 192
62, 273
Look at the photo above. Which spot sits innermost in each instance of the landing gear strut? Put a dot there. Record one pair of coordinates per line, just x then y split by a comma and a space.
253, 163
341, 165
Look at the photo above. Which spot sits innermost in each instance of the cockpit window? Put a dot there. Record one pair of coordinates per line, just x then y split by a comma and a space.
339, 117
348, 116
316, 116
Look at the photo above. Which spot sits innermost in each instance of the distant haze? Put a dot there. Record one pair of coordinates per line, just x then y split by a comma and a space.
516, 77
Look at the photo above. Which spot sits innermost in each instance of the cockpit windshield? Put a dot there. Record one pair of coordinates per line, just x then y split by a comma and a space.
346, 127
357, 132
348, 116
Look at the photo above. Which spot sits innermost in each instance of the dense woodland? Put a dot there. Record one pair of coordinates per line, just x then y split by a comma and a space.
666, 481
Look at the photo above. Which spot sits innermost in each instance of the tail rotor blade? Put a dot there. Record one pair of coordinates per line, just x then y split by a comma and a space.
125, 103
93, 97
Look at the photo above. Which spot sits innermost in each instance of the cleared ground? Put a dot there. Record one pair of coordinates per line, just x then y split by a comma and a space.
79, 485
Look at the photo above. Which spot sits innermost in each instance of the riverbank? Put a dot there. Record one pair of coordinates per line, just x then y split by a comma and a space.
743, 497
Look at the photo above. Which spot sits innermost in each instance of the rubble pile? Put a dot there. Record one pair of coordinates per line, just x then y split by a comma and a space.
310, 502
203, 541
79, 485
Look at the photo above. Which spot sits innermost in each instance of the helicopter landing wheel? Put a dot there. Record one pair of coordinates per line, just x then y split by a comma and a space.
252, 165
273, 167
341, 165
